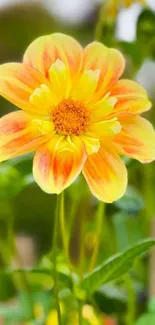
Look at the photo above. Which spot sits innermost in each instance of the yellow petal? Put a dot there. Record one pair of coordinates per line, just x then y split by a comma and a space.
105, 128
43, 100
101, 109
136, 139
86, 85
109, 61
60, 80
17, 82
58, 163
19, 134
106, 174
46, 50
92, 144
131, 97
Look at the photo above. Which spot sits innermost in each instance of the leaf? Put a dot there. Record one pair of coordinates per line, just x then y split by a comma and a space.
115, 267
110, 299
149, 317
128, 230
43, 277
146, 319
146, 33
151, 305
7, 289
131, 202
12, 314
11, 181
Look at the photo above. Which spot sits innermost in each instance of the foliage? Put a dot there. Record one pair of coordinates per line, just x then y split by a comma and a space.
27, 291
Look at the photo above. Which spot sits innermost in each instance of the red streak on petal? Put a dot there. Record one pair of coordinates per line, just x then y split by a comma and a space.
12, 126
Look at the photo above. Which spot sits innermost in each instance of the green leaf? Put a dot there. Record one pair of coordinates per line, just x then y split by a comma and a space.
131, 202
11, 181
151, 305
127, 229
110, 299
149, 317
12, 314
43, 277
146, 319
115, 267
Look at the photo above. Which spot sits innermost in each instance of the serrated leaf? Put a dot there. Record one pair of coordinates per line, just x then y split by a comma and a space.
115, 267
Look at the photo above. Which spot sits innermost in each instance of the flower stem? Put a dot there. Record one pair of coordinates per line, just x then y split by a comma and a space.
80, 313
99, 24
99, 222
65, 237
55, 233
131, 300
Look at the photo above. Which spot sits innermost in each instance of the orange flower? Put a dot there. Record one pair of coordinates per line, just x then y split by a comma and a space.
76, 115
109, 321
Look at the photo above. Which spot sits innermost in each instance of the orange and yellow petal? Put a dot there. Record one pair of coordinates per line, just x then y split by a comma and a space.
131, 97
58, 162
20, 134
17, 82
105, 128
60, 80
41, 100
47, 49
86, 85
109, 61
106, 174
91, 144
136, 139
101, 109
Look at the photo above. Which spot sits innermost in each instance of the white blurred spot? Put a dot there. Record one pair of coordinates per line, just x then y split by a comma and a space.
151, 4
70, 11
146, 77
6, 3
126, 23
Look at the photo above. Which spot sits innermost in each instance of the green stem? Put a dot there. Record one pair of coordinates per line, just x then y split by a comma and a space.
20, 281
10, 235
82, 246
55, 233
65, 237
80, 313
131, 301
99, 25
99, 222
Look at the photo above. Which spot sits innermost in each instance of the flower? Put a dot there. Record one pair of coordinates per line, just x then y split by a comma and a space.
112, 8
128, 3
88, 315
76, 115
109, 321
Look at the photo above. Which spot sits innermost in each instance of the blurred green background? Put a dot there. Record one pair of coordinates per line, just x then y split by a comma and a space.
28, 210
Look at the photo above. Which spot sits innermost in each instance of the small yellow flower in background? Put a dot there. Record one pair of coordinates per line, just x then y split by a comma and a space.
112, 7
52, 318
128, 3
87, 313
76, 115
38, 310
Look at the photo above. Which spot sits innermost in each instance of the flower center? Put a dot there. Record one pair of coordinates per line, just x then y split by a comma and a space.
70, 117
